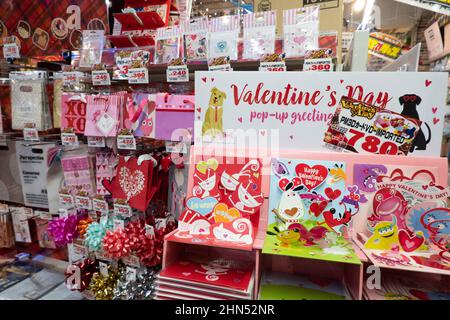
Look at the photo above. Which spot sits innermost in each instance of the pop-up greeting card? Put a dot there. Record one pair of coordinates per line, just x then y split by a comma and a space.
310, 210
224, 205
405, 219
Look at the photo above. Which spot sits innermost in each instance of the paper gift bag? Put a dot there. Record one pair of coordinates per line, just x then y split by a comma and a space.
78, 174
175, 116
73, 112
104, 165
140, 114
103, 115
133, 181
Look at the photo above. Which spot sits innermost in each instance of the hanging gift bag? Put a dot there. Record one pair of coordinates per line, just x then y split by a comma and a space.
73, 112
174, 117
133, 181
102, 115
140, 114
78, 174
104, 165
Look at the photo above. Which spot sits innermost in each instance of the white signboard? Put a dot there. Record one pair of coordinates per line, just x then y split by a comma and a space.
293, 109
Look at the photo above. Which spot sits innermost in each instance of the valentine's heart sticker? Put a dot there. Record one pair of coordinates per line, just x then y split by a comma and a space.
202, 206
311, 177
224, 214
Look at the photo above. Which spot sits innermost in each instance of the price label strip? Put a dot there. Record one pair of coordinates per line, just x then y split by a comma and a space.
324, 64
137, 75
30, 134
276, 66
362, 128
101, 78
177, 73
69, 139
11, 51
96, 142
126, 142
71, 78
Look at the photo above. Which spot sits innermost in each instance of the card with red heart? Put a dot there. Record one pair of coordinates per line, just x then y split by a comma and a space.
310, 210
404, 211
224, 205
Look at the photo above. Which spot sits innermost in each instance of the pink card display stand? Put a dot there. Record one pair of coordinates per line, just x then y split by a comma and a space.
351, 274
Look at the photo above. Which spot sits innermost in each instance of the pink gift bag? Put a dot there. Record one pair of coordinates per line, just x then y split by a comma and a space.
139, 114
174, 117
104, 165
78, 174
73, 112
103, 114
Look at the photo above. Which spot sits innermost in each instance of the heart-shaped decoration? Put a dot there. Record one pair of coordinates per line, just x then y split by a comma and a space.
299, 39
434, 109
263, 132
224, 214
341, 81
427, 83
202, 166
291, 212
425, 187
435, 120
108, 184
199, 109
409, 243
212, 79
318, 207
240, 119
193, 36
311, 177
201, 206
204, 79
291, 136
332, 194
131, 183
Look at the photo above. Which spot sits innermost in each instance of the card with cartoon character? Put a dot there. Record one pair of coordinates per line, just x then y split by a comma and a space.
223, 207
404, 221
310, 210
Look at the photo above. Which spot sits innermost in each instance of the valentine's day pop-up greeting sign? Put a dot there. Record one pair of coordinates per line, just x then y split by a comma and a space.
294, 109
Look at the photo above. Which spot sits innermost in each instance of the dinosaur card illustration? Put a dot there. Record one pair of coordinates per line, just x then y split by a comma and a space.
310, 210
403, 221
224, 203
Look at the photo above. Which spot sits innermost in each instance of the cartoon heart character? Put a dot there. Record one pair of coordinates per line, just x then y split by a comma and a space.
290, 208
409, 241
311, 177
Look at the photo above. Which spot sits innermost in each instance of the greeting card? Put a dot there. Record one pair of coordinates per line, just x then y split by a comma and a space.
310, 210
405, 222
224, 205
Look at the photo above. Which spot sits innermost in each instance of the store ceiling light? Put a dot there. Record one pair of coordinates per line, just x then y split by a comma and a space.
359, 5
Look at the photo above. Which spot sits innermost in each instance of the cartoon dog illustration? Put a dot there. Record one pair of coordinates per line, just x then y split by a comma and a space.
410, 103
212, 124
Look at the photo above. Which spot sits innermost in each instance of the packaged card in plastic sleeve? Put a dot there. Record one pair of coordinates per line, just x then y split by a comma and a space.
195, 39
29, 101
168, 40
223, 37
92, 48
125, 59
300, 30
259, 34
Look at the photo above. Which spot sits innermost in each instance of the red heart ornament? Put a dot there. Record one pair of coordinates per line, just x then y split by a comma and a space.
434, 109
435, 120
427, 83
240, 119
311, 177
108, 184
204, 79
332, 194
409, 243
318, 207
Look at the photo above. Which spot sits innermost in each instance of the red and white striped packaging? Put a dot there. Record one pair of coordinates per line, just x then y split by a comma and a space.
223, 37
259, 34
195, 38
168, 44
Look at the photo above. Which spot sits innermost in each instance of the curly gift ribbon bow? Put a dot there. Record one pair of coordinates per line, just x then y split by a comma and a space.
142, 288
103, 287
117, 244
82, 225
63, 230
95, 233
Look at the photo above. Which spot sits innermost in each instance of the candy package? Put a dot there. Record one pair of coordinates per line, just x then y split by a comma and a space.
259, 34
300, 30
168, 42
223, 37
195, 36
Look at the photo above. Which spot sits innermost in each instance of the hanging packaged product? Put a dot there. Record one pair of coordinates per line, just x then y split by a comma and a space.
21, 224
73, 112
259, 34
139, 114
55, 178
6, 227
10, 184
133, 181
103, 114
29, 100
223, 37
57, 99
127, 59
92, 48
168, 44
300, 30
104, 164
44, 239
175, 114
33, 163
11, 47
195, 39
78, 173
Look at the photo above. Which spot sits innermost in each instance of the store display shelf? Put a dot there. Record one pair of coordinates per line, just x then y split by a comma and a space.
435, 7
